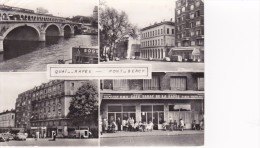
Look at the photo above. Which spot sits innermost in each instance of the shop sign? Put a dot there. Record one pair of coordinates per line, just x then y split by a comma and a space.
153, 96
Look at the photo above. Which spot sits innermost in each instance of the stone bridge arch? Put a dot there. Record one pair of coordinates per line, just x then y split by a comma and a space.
60, 30
68, 29
13, 27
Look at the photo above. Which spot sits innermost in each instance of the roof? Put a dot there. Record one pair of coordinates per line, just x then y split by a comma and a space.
158, 24
6, 112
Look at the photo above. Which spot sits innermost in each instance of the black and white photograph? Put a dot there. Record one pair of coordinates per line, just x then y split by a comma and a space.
35, 111
167, 110
36, 33
168, 34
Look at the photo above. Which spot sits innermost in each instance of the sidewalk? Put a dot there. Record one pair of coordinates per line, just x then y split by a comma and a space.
153, 133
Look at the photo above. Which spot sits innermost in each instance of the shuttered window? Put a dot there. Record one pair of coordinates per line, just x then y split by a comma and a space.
152, 84
200, 83
178, 83
120, 84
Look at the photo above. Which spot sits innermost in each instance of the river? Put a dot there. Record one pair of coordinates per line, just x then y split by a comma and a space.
21, 56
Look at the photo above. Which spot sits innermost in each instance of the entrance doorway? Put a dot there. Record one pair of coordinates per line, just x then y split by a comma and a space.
153, 113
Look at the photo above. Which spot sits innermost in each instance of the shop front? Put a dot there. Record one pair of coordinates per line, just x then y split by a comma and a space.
146, 108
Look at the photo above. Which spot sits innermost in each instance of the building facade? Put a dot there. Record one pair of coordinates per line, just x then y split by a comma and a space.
165, 97
7, 120
45, 108
189, 23
157, 39
127, 48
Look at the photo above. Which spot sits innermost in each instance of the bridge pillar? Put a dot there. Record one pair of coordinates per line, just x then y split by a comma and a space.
72, 32
61, 33
42, 36
1, 44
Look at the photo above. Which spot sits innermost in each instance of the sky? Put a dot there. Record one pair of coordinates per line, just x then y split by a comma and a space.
12, 84
145, 12
63, 8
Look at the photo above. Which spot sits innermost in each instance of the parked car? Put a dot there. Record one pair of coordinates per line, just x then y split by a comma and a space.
3, 138
20, 136
167, 59
8, 136
176, 58
150, 58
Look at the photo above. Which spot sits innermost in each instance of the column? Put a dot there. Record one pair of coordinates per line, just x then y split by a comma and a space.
61, 33
163, 54
1, 44
42, 36
138, 112
72, 32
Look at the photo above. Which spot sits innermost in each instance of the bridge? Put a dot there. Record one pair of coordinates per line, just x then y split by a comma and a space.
25, 25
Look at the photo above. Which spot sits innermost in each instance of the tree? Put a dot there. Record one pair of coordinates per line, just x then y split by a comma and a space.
42, 10
84, 105
114, 25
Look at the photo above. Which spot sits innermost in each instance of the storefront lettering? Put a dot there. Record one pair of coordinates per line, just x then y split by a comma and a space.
157, 96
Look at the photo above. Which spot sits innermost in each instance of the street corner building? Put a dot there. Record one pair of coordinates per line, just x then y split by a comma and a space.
157, 39
45, 108
7, 121
168, 96
189, 30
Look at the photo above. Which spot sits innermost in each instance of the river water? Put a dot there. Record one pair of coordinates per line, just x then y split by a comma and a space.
34, 56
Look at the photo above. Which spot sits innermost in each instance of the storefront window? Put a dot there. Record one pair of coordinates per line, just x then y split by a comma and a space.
128, 108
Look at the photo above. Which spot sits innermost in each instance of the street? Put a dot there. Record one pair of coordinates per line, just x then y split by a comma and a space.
164, 140
162, 66
48, 142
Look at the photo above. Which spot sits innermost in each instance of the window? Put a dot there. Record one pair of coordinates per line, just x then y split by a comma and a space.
197, 4
168, 31
198, 23
161, 31
114, 108
152, 84
180, 107
178, 83
178, 20
178, 4
53, 108
178, 11
158, 41
198, 32
192, 15
191, 33
197, 13
183, 9
121, 84
172, 31
129, 109
192, 43
200, 83
191, 7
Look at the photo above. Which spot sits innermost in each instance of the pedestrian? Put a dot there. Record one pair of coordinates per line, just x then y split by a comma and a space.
181, 125
54, 136
118, 122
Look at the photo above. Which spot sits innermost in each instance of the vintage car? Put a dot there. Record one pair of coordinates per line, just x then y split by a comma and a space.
20, 136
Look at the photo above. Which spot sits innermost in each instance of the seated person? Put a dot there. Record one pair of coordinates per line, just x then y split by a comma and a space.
193, 125
201, 125
140, 126
149, 126
171, 125
164, 125
144, 126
